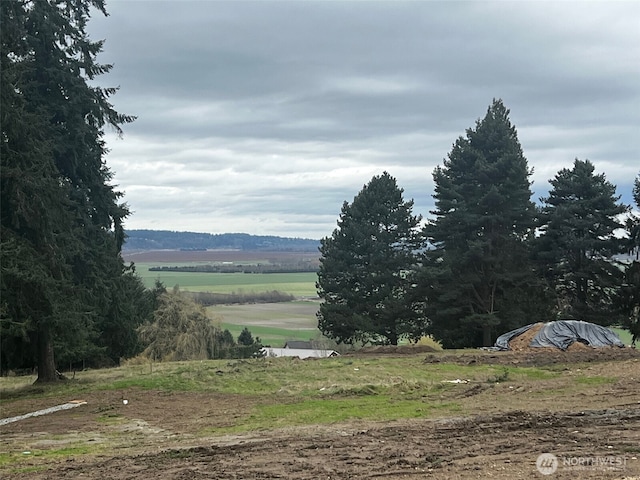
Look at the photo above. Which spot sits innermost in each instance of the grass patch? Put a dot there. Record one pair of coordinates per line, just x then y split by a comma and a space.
268, 376
11, 458
533, 373
332, 410
110, 418
30, 469
594, 381
363, 403
624, 334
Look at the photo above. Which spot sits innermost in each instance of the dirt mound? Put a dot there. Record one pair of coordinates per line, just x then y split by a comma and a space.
522, 342
535, 357
560, 334
395, 350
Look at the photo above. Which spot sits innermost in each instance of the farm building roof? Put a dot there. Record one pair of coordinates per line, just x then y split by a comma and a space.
298, 352
298, 344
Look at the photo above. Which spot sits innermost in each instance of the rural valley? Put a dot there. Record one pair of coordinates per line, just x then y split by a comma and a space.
406, 412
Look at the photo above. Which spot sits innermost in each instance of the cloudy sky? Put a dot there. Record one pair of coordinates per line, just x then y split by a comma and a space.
264, 117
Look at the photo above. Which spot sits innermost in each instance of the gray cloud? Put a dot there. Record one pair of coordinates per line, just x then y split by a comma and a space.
264, 117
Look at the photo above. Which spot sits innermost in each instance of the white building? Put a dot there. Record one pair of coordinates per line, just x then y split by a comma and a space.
298, 352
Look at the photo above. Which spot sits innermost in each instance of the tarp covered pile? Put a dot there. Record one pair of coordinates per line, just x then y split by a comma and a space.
562, 334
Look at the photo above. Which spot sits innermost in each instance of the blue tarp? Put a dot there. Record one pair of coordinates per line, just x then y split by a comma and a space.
562, 334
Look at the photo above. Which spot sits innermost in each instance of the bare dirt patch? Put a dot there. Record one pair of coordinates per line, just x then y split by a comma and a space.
394, 350
501, 431
537, 356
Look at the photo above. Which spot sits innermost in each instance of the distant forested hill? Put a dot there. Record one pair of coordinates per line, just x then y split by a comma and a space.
168, 240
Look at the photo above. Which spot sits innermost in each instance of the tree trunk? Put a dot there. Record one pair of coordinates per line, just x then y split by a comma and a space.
486, 336
393, 337
46, 364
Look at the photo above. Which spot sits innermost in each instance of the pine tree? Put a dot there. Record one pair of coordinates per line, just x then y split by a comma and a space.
247, 345
633, 223
478, 279
629, 294
61, 219
578, 242
366, 268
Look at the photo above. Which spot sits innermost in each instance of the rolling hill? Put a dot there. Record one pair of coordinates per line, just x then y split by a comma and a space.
169, 240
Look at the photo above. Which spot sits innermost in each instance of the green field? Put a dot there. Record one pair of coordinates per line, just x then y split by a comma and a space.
274, 323
297, 284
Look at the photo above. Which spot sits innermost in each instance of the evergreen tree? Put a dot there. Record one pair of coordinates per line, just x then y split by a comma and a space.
247, 345
61, 218
478, 279
367, 266
633, 223
245, 338
578, 242
129, 305
629, 295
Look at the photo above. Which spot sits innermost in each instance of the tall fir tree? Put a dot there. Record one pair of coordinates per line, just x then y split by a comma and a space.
580, 218
61, 217
633, 223
478, 278
629, 295
367, 266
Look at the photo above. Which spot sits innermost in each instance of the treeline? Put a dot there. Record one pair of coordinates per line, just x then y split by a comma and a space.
301, 267
210, 298
66, 295
488, 259
65, 290
164, 239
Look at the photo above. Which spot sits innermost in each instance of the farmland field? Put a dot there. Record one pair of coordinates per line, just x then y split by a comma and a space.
274, 323
408, 415
297, 284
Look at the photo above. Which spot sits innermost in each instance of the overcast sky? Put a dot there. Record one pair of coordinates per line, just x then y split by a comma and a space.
264, 117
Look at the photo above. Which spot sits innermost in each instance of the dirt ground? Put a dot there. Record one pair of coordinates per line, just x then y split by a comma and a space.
158, 435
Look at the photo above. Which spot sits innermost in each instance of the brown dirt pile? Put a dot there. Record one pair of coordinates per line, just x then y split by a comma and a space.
522, 342
536, 357
395, 350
